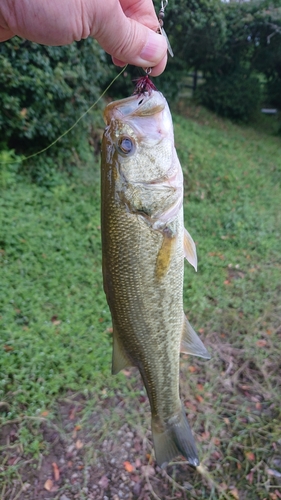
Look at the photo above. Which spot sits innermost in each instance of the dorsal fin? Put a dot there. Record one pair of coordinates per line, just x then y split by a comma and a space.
190, 342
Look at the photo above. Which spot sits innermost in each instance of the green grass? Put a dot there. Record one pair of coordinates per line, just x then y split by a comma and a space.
55, 324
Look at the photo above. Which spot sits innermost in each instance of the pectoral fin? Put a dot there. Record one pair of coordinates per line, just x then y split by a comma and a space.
190, 250
190, 342
119, 358
165, 254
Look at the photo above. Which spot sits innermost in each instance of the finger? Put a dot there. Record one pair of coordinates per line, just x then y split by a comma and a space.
128, 40
142, 11
155, 71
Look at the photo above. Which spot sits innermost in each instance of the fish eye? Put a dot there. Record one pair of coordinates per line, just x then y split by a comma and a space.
125, 145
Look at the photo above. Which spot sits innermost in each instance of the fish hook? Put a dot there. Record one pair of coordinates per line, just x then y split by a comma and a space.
161, 30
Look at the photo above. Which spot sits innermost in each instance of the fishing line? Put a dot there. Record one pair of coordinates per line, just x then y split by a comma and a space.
72, 126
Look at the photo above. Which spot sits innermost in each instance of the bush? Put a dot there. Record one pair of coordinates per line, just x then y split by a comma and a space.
43, 90
236, 95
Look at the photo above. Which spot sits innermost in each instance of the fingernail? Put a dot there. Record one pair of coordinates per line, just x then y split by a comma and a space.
154, 49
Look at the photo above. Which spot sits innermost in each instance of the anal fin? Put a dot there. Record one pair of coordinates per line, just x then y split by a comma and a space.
190, 342
119, 358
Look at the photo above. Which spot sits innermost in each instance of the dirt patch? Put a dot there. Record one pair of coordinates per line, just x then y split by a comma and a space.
101, 449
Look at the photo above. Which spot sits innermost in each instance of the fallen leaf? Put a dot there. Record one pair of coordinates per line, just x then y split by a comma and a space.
272, 472
104, 482
44, 413
200, 387
8, 348
72, 413
128, 466
49, 485
148, 470
261, 343
56, 471
250, 477
79, 444
190, 406
192, 369
250, 456
205, 436
234, 492
216, 441
199, 398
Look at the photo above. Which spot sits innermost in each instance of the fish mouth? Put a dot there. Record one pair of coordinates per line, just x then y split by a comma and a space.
148, 104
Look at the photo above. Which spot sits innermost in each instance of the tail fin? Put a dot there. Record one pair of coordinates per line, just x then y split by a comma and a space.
176, 439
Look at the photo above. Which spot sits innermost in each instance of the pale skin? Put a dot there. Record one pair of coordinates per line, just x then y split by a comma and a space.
125, 29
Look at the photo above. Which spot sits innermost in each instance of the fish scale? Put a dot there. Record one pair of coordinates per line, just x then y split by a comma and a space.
144, 243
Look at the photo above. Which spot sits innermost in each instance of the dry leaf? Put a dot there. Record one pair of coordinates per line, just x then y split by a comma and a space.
72, 413
104, 482
192, 369
250, 477
8, 348
234, 492
272, 472
49, 485
128, 466
44, 413
79, 444
261, 343
56, 471
250, 456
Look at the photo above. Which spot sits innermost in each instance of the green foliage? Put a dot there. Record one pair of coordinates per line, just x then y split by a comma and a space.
53, 313
9, 166
43, 90
228, 43
55, 324
237, 95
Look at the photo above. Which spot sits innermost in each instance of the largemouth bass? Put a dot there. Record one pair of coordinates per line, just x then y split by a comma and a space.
144, 244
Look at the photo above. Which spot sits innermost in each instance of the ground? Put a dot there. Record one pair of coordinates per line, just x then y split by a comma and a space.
105, 452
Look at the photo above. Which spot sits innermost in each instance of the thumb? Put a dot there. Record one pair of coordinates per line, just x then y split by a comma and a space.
129, 41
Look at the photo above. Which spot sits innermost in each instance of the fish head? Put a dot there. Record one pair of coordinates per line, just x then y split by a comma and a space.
139, 138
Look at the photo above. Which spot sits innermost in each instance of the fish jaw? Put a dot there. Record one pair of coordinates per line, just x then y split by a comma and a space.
146, 117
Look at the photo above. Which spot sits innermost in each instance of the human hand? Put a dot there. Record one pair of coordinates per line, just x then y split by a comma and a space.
126, 29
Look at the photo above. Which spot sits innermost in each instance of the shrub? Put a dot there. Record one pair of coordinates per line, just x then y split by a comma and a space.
236, 95
43, 90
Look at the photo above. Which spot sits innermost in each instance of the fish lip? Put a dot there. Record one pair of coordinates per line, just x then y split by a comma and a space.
147, 104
